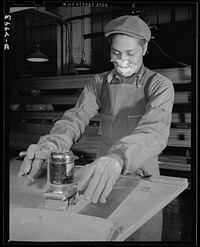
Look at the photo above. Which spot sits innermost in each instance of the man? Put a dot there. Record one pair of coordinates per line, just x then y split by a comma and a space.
135, 105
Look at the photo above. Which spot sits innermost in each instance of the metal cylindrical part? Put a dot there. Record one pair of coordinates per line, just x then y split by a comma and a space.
61, 168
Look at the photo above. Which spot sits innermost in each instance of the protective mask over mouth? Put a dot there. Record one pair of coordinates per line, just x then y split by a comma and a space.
125, 68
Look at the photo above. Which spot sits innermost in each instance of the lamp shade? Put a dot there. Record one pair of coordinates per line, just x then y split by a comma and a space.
26, 72
37, 56
82, 66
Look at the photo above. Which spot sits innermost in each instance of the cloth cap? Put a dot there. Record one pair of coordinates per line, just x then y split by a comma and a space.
130, 25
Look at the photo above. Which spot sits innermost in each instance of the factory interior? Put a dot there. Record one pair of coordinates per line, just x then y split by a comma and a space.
68, 39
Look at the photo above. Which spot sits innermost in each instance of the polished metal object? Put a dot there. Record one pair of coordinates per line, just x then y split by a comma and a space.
61, 168
60, 179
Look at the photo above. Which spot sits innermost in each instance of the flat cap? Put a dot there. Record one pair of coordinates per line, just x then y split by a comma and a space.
130, 25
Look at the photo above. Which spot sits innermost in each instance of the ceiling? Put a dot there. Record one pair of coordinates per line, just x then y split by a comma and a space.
16, 9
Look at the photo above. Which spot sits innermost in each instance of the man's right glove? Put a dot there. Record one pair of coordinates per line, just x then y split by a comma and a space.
35, 156
99, 178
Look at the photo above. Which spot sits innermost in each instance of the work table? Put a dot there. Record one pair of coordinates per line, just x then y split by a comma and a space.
146, 196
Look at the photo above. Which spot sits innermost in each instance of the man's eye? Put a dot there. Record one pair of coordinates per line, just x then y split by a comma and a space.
131, 54
115, 53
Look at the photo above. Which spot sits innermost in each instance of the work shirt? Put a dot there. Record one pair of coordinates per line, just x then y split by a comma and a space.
135, 118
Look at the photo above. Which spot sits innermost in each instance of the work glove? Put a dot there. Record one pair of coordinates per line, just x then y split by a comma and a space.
99, 178
36, 154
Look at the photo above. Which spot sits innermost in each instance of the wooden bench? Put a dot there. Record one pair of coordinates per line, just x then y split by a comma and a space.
27, 126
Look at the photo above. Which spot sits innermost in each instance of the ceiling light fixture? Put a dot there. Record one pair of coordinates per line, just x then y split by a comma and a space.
38, 56
82, 66
25, 72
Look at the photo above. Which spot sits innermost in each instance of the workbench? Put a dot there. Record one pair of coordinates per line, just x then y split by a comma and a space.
132, 202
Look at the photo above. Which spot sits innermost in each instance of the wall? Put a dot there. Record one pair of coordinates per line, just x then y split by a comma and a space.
174, 33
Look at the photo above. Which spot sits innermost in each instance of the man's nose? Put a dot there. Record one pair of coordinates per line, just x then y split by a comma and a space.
123, 57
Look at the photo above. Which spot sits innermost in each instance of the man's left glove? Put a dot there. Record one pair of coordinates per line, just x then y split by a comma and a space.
99, 177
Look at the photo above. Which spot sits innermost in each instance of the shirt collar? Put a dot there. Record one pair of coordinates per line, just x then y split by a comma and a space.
115, 78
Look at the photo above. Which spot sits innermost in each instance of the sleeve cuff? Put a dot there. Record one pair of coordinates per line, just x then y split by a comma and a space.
59, 143
118, 158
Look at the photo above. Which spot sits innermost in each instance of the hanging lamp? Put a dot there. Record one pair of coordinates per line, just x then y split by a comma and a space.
25, 72
37, 56
82, 66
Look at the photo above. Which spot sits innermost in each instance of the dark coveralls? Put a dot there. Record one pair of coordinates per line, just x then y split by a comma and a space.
135, 124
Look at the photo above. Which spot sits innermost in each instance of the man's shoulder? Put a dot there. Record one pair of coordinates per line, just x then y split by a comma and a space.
157, 75
159, 82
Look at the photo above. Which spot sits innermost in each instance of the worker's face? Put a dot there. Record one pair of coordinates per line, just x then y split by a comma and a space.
127, 54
